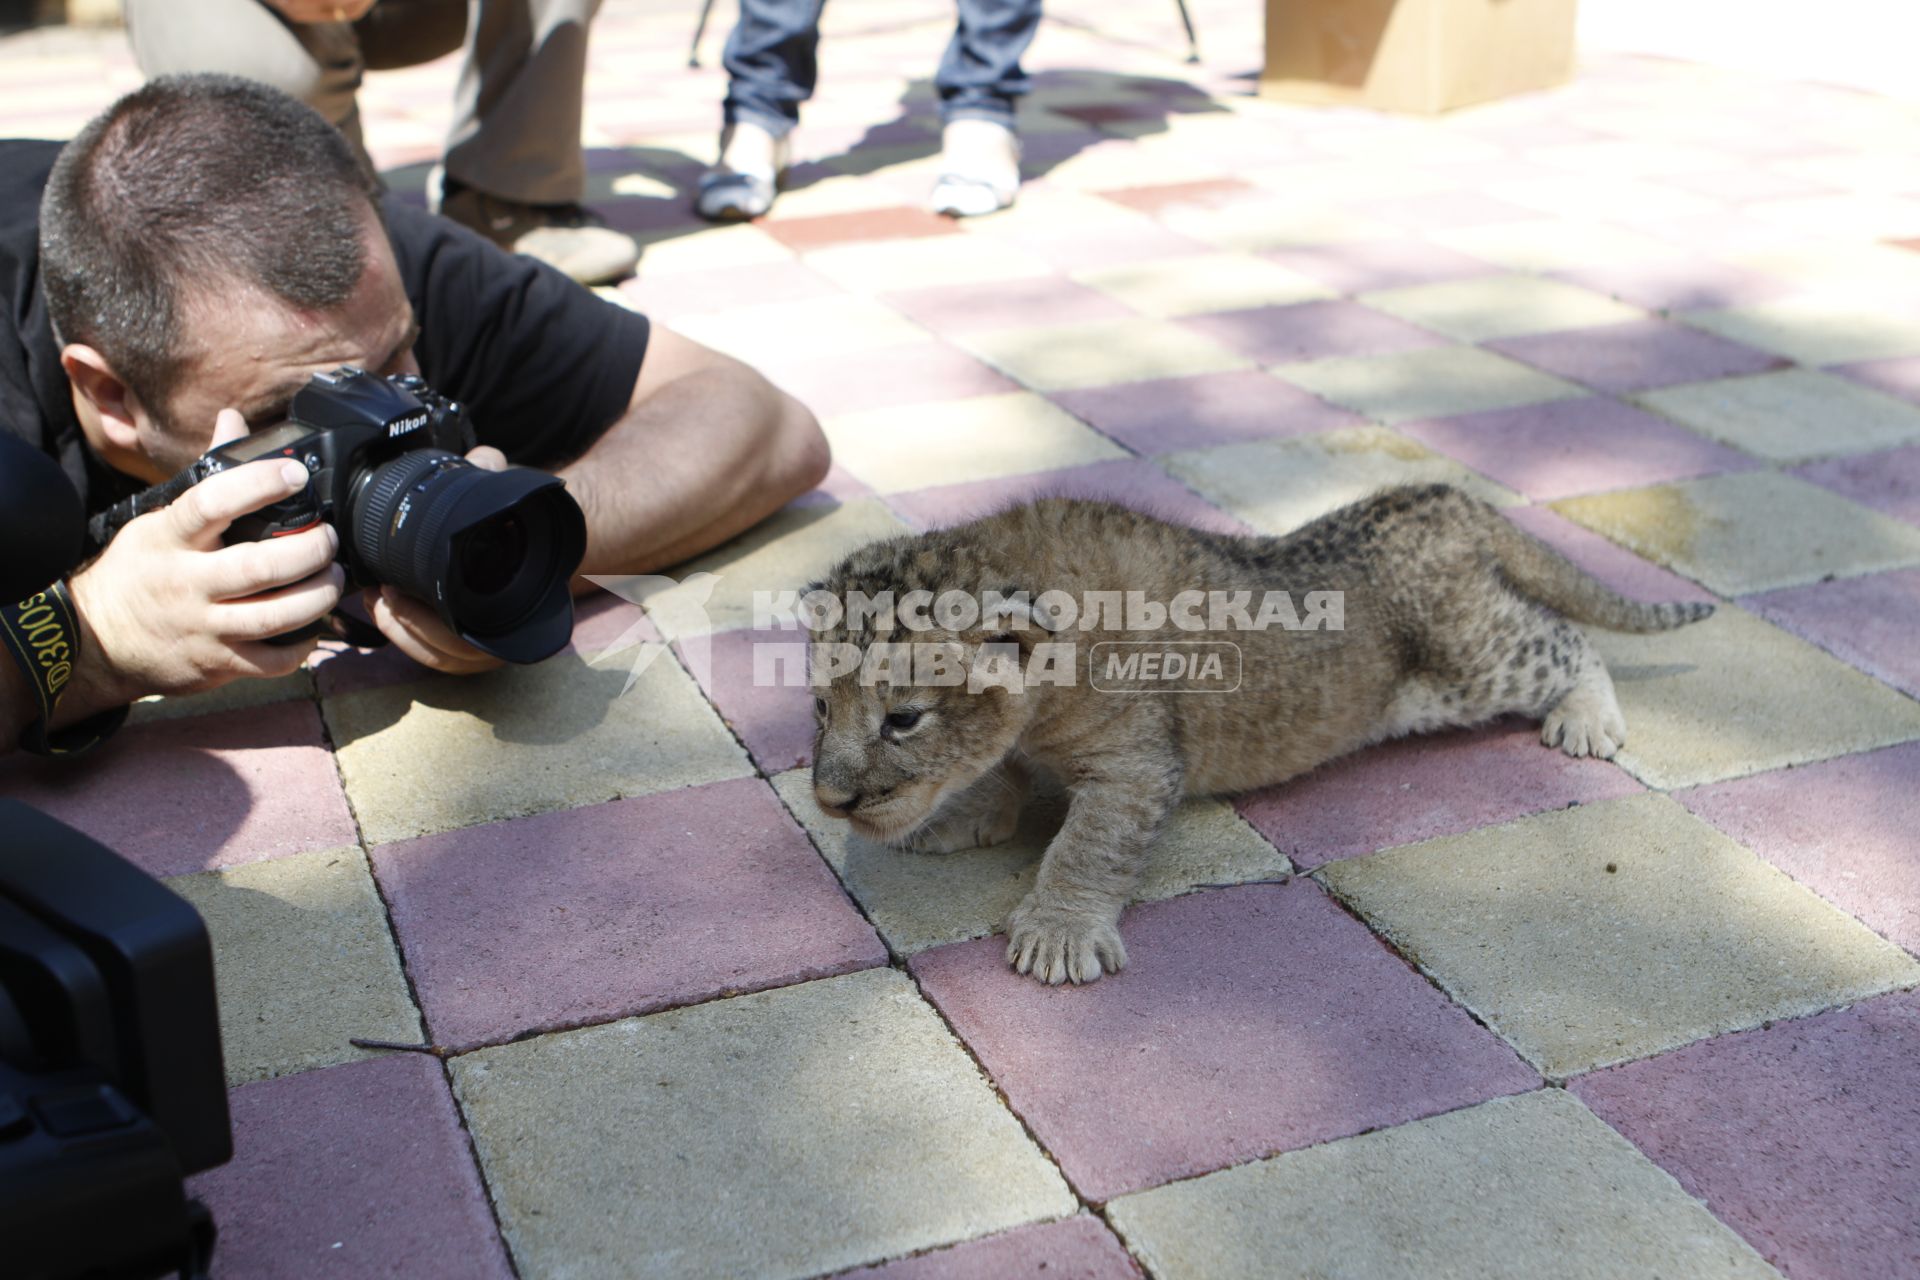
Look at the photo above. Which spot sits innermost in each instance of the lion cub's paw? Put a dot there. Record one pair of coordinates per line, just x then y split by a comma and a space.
970, 824
1058, 944
1587, 722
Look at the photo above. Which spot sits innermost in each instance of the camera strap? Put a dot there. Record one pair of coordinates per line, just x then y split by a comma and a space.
43, 636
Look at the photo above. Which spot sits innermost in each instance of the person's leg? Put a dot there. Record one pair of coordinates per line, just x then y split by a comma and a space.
516, 128
978, 82
319, 63
771, 61
514, 167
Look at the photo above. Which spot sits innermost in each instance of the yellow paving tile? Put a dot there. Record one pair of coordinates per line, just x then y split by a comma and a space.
1817, 330
791, 331
951, 442
1201, 283
1501, 307
929, 262
1790, 415
1435, 383
1068, 356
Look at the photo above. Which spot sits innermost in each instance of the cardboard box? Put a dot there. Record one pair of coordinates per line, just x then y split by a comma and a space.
1415, 55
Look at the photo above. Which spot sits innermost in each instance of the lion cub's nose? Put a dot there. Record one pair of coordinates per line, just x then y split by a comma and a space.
834, 803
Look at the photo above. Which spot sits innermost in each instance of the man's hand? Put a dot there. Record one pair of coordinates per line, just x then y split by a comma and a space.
322, 10
170, 609
414, 628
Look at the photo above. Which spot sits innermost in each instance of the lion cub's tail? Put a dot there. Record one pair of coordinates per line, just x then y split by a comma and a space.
1543, 575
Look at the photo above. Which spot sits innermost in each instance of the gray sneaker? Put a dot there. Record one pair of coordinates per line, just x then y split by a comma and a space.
568, 237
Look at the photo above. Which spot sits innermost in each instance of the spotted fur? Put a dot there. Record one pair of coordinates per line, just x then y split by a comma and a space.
1453, 616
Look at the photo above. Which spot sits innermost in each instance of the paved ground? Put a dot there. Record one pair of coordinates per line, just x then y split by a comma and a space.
1458, 1006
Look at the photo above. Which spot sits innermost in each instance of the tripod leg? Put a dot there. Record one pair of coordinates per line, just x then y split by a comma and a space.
706, 8
1186, 20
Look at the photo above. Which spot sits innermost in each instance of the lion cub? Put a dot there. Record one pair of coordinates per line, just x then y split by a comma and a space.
1424, 608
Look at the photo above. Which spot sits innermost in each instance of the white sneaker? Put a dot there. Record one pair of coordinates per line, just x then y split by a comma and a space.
743, 181
980, 169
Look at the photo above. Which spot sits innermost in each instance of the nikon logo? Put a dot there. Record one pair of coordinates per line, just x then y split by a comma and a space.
401, 426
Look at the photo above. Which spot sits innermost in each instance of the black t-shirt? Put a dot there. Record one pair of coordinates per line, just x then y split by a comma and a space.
543, 365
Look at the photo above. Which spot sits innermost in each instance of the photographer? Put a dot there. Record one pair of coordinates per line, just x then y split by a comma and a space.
202, 249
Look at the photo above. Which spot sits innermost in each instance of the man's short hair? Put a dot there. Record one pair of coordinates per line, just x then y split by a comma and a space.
193, 181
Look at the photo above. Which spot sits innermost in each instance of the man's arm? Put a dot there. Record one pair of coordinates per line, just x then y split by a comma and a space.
707, 449
167, 608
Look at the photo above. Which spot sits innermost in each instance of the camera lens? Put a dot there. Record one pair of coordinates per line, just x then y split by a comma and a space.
492, 551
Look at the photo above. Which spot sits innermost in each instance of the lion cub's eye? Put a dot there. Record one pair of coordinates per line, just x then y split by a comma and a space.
820, 706
902, 720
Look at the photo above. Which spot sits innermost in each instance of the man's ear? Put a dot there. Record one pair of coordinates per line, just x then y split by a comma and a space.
95, 379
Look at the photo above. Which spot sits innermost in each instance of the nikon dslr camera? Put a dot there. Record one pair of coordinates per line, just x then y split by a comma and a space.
491, 551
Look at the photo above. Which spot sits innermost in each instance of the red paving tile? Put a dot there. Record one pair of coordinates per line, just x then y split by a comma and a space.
1889, 482
1608, 561
1803, 1137
1872, 623
1900, 377
1134, 483
1636, 356
914, 373
1076, 1248
1005, 304
902, 222
1169, 414
1311, 331
1844, 828
356, 1170
1210, 194
1421, 787
1566, 447
616, 909
199, 792
1249, 1021
745, 676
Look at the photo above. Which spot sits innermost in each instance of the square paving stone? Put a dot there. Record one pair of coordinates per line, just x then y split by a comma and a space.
1791, 415
1578, 966
756, 679
1869, 622
1500, 307
1380, 264
1682, 283
1077, 1248
1895, 377
1092, 355
1516, 1187
1887, 482
1426, 384
1249, 1021
616, 909
235, 695
1732, 696
1636, 356
1419, 787
1133, 482
855, 226
1844, 828
1278, 485
1553, 246
1311, 331
197, 793
925, 264
1213, 408
1566, 447
917, 445
1754, 531
1804, 1137
775, 332
303, 960
784, 552
361, 1170
1202, 283
921, 900
1005, 304
783, 1134
912, 374
459, 751
1816, 330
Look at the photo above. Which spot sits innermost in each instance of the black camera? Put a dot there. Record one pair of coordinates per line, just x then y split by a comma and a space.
492, 551
111, 1084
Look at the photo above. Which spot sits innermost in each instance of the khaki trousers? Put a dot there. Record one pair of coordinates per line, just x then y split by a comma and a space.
516, 118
